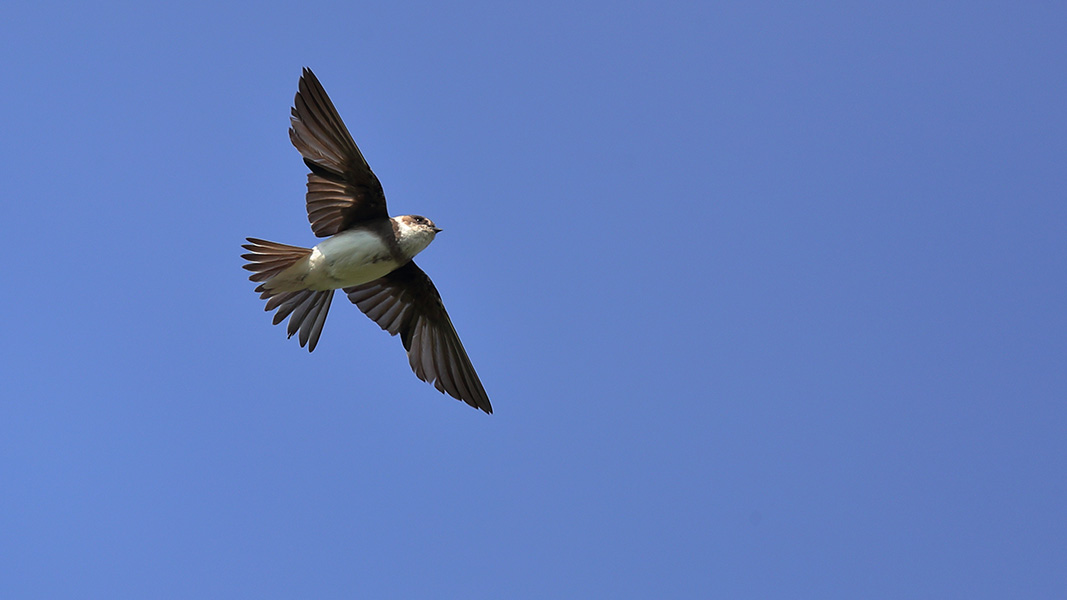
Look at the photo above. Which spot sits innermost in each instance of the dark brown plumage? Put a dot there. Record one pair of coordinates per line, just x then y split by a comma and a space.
342, 189
344, 195
405, 302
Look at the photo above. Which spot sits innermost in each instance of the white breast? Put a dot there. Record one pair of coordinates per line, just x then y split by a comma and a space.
349, 258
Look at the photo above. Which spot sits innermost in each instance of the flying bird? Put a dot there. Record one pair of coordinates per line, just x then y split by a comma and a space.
366, 253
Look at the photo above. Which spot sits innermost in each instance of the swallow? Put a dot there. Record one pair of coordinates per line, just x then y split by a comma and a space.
366, 253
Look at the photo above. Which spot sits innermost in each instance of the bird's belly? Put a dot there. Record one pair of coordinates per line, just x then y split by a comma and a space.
349, 258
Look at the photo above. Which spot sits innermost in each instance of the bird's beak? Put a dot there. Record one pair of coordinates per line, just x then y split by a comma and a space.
437, 230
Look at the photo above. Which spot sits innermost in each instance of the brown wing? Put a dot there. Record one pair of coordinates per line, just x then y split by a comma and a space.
342, 190
406, 302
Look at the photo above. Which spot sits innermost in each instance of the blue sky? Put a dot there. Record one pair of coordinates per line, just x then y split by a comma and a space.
769, 300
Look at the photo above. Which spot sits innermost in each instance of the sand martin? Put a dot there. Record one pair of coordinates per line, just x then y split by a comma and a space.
367, 254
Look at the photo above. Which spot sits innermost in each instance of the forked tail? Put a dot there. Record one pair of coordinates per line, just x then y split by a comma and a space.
308, 308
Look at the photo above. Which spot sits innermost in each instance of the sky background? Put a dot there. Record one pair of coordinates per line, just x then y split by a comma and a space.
769, 300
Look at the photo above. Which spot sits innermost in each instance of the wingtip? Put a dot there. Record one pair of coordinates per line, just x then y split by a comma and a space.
481, 404
306, 74
478, 403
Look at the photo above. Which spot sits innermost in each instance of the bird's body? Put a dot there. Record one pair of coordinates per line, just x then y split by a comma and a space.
351, 257
367, 254
354, 257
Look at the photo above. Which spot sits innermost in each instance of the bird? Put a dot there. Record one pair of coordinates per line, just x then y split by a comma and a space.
366, 253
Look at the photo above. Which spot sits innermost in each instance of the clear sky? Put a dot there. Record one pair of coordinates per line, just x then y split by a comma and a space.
770, 300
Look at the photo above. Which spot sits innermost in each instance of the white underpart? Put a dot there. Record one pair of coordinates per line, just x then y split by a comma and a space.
351, 258
348, 258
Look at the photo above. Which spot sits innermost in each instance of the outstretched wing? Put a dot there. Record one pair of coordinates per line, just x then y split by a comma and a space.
406, 302
342, 189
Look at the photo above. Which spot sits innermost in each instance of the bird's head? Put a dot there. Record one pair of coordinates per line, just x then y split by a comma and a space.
414, 233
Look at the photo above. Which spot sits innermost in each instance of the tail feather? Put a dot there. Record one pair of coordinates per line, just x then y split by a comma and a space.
267, 259
308, 308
